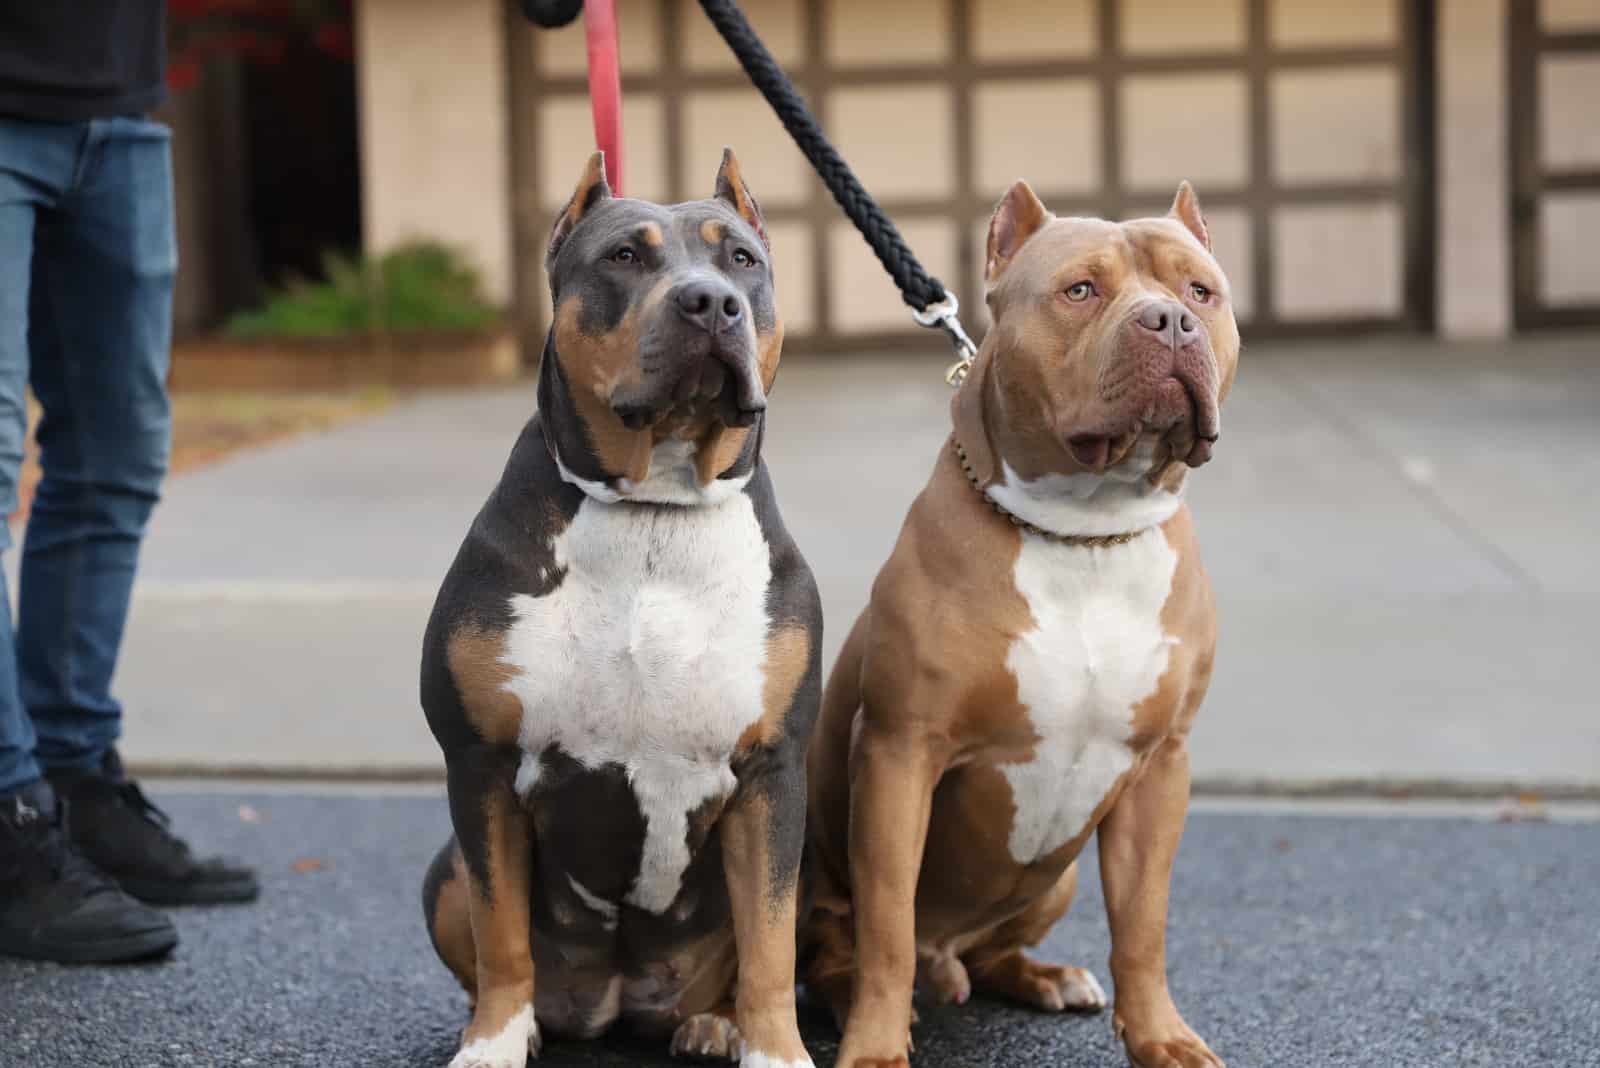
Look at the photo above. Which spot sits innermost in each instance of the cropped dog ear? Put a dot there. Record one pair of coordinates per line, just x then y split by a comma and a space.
1186, 209
731, 188
1016, 218
592, 190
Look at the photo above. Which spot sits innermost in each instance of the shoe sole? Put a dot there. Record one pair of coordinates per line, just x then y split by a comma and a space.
145, 945
236, 892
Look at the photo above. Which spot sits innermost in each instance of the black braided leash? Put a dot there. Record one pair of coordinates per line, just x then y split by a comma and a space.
934, 305
918, 287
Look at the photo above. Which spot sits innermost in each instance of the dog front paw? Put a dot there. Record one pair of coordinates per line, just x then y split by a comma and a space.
512, 1046
852, 1055
899, 1061
710, 1035
757, 1059
1171, 1047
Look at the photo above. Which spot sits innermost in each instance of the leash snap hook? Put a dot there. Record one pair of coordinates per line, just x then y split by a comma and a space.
946, 315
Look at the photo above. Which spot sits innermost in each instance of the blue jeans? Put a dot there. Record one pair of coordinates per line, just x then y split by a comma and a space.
87, 261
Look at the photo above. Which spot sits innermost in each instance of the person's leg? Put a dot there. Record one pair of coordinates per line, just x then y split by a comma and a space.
54, 905
21, 194
99, 332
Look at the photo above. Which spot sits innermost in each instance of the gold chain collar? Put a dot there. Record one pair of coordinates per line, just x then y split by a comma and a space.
1094, 541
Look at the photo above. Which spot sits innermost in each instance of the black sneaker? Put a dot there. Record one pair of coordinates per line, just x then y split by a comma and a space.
130, 839
54, 904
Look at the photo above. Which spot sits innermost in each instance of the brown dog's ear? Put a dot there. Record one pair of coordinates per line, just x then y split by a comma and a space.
1018, 215
592, 189
1186, 209
731, 188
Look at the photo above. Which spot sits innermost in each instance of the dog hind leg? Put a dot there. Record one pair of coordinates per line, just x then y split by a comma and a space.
444, 908
999, 965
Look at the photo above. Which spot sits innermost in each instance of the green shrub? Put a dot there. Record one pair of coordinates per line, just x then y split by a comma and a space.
416, 287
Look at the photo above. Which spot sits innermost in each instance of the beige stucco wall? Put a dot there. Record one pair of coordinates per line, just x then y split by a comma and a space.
1474, 265
434, 130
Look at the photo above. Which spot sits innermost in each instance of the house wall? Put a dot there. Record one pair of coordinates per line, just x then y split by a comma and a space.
1474, 179
1555, 148
434, 131
1346, 183
1319, 213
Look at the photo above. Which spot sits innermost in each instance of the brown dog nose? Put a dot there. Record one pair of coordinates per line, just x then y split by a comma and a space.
712, 306
1170, 321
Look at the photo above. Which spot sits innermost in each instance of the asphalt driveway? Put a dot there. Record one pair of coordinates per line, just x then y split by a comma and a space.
1297, 940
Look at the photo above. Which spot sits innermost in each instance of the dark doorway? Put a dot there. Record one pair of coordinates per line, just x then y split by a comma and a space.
304, 186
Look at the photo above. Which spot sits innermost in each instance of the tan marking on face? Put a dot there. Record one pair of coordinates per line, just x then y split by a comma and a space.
719, 447
596, 367
711, 232
480, 673
650, 234
769, 350
788, 656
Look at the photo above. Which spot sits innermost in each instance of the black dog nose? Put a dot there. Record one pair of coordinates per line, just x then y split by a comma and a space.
1170, 321
712, 306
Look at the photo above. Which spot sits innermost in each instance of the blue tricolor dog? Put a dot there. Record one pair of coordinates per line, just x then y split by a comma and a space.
622, 666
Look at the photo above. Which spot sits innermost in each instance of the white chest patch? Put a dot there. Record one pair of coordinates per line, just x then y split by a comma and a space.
650, 655
1096, 650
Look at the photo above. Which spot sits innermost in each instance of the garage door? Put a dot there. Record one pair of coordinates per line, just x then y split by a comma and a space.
1555, 81
1302, 125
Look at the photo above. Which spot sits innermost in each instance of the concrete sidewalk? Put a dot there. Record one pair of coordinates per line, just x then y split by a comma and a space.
1403, 537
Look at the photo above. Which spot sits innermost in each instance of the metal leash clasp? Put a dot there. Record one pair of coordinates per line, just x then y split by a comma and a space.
946, 316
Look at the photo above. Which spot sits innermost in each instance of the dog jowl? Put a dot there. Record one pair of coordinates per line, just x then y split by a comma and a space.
622, 665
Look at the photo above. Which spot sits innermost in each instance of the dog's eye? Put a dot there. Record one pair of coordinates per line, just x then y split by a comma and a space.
624, 255
742, 258
1199, 292
1079, 292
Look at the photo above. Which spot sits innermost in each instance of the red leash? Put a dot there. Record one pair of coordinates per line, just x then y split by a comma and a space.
605, 84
